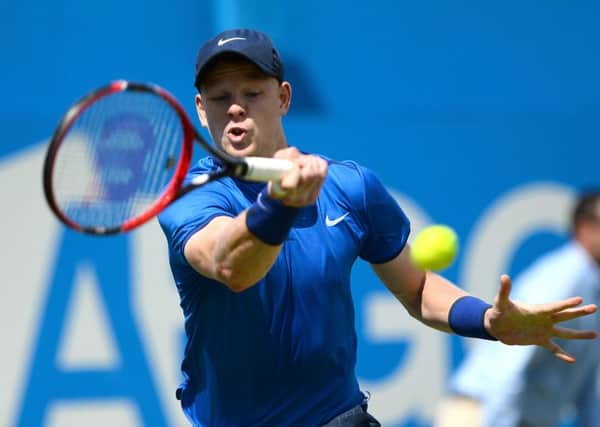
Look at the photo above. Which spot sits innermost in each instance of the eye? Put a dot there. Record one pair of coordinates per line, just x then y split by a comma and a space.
253, 93
218, 98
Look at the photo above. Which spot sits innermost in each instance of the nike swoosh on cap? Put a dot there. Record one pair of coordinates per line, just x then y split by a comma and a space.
331, 222
221, 42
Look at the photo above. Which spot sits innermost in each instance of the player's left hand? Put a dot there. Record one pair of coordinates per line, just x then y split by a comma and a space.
513, 322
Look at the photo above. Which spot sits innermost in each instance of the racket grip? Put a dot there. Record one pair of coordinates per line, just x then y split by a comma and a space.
264, 169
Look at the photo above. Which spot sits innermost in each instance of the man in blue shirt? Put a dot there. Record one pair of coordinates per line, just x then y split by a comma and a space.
263, 272
499, 386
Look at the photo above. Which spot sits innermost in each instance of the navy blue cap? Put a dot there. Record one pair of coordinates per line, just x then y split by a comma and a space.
253, 45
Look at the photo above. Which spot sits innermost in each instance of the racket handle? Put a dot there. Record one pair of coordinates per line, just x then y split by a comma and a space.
265, 169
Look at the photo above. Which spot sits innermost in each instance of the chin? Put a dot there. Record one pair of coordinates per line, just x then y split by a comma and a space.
248, 150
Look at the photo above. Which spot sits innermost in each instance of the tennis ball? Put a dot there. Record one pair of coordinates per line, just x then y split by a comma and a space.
434, 248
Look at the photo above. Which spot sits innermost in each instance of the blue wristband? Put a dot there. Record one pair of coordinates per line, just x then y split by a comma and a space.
466, 318
269, 219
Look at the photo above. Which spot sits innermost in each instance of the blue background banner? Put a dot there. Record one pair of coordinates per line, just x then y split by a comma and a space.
482, 116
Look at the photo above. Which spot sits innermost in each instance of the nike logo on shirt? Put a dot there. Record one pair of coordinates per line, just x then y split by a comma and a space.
331, 222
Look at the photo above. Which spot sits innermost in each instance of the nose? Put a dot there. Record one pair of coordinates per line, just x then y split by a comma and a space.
236, 110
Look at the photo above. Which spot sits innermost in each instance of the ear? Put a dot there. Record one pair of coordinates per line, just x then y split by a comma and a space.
285, 97
201, 111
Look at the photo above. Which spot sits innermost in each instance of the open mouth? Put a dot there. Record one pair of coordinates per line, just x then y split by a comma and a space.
236, 134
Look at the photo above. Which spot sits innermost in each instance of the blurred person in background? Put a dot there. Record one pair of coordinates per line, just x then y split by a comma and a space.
501, 386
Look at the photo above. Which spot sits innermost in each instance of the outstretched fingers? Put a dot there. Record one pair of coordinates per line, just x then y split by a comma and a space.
519, 323
573, 334
558, 352
569, 313
503, 297
557, 306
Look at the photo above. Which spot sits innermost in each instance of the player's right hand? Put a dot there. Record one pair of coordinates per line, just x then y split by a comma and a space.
301, 185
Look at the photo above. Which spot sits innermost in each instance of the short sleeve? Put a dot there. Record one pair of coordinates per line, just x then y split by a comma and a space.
387, 227
189, 214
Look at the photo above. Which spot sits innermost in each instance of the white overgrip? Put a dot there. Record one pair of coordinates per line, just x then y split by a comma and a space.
264, 169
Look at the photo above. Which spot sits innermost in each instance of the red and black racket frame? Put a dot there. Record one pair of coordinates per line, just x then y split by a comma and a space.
174, 190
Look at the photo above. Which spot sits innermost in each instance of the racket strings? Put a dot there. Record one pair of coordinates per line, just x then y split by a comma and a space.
116, 158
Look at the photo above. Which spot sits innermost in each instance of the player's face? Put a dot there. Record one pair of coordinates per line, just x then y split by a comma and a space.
242, 108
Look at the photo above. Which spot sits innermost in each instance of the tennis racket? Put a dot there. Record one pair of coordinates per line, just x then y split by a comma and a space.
120, 156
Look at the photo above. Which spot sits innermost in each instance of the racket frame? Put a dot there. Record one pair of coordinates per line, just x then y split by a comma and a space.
249, 168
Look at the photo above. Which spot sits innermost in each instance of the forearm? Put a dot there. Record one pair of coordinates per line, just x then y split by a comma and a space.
239, 251
427, 296
226, 251
437, 297
239, 258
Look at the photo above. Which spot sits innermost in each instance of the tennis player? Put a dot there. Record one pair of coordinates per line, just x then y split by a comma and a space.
263, 272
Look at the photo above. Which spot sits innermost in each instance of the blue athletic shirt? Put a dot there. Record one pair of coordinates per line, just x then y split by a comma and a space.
283, 351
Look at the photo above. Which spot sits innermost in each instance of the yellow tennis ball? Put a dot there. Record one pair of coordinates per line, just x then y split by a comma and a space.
434, 248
